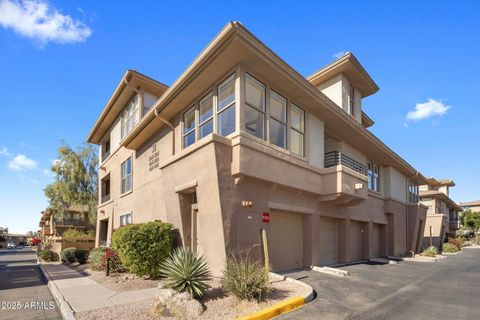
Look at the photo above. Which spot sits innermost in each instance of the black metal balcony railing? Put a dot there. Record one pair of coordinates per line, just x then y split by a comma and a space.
335, 158
105, 198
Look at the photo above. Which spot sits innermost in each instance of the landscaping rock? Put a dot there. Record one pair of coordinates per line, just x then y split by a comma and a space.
169, 303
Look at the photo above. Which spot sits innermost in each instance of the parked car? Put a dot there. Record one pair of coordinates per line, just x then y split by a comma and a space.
11, 245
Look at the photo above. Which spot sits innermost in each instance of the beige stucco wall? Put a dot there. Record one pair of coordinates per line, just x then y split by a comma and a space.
395, 184
315, 141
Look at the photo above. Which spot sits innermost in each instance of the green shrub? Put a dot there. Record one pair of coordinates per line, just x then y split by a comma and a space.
245, 279
143, 247
47, 255
186, 272
95, 258
449, 248
68, 255
81, 256
430, 251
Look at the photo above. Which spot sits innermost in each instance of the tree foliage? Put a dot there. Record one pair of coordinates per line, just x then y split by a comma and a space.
75, 181
472, 221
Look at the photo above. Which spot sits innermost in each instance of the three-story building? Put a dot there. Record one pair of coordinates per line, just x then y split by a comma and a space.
241, 137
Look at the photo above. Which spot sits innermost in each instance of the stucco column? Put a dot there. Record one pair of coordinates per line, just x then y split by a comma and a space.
311, 240
367, 240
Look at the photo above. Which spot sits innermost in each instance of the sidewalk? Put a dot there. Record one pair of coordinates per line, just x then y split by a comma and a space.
84, 294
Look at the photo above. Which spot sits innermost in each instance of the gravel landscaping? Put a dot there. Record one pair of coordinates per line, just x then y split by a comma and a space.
218, 304
117, 282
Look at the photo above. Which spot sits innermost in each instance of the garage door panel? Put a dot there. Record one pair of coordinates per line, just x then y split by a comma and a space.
328, 241
376, 240
356, 240
286, 241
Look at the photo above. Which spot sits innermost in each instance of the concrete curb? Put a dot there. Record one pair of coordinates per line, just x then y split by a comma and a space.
450, 253
282, 306
331, 271
65, 308
382, 261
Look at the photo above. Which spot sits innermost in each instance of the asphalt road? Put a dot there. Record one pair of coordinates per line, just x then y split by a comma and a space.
448, 289
23, 290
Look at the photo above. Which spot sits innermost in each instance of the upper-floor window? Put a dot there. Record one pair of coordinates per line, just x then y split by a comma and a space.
278, 120
373, 176
126, 219
198, 121
297, 130
130, 116
126, 175
148, 101
255, 107
412, 191
351, 101
226, 107
106, 148
279, 126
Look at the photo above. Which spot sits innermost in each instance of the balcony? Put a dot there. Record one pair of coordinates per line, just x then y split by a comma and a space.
105, 155
335, 158
338, 184
105, 198
71, 222
454, 224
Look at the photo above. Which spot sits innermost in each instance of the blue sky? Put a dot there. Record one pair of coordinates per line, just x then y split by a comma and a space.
56, 78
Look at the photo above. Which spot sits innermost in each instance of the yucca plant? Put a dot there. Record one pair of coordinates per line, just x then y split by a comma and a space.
186, 271
430, 251
246, 279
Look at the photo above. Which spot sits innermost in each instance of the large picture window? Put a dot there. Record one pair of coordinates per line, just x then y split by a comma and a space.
278, 120
297, 130
255, 107
126, 175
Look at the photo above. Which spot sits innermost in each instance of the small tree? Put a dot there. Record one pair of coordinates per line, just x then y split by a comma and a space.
76, 181
472, 222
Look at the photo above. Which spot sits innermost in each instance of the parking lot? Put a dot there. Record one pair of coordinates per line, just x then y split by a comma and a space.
447, 289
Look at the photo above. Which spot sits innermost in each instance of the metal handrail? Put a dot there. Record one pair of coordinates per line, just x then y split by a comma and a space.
335, 158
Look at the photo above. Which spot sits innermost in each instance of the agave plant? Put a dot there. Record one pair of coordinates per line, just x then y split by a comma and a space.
186, 271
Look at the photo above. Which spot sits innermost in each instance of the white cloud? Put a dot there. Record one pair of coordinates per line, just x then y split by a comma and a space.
37, 19
427, 109
21, 162
339, 54
4, 152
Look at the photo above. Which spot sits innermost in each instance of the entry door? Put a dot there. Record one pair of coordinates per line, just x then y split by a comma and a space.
194, 228
103, 232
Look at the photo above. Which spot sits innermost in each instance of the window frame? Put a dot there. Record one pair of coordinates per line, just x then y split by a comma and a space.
127, 176
351, 101
213, 93
126, 216
255, 108
273, 93
373, 174
302, 133
127, 115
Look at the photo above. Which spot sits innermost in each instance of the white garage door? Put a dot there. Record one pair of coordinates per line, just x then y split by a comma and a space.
328, 241
356, 240
376, 241
286, 241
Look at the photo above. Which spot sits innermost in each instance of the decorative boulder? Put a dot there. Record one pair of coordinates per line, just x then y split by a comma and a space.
170, 303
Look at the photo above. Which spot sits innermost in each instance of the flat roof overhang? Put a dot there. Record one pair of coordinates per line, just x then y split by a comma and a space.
235, 46
351, 67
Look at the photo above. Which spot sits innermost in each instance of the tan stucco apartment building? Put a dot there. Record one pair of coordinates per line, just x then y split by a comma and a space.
470, 205
241, 135
443, 213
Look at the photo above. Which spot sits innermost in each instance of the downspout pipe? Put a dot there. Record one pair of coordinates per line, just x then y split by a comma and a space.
169, 124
